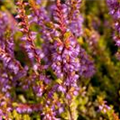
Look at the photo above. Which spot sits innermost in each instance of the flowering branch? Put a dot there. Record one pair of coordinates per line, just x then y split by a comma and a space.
29, 36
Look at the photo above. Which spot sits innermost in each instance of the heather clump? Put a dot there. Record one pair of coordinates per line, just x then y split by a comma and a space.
58, 60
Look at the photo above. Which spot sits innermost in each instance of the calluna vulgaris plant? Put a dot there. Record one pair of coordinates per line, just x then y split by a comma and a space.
114, 8
43, 61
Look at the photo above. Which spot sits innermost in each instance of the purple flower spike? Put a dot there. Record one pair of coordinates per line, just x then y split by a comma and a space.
114, 8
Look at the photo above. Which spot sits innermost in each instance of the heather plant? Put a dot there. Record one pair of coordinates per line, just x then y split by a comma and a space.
57, 60
114, 8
